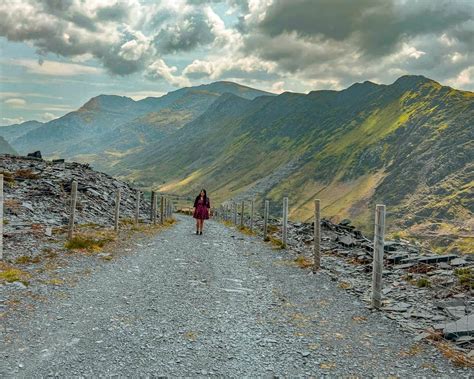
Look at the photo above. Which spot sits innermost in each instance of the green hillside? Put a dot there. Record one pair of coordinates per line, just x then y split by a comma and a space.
407, 145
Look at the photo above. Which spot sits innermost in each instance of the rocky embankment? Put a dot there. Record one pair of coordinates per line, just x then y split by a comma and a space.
37, 200
428, 294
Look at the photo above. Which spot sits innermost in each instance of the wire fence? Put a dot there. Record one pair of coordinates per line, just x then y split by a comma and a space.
428, 293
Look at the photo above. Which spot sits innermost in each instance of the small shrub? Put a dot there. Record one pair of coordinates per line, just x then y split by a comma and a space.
423, 282
303, 262
277, 243
8, 177
26, 174
88, 242
246, 230
465, 276
25, 259
11, 274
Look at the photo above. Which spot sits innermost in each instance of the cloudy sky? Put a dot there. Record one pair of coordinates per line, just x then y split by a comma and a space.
56, 54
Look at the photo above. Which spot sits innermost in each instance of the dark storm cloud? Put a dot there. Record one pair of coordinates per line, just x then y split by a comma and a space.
186, 34
377, 25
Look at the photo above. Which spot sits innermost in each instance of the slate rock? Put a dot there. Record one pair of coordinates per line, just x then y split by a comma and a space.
462, 327
36, 154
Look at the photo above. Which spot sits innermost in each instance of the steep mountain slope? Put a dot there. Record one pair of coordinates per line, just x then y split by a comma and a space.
407, 145
5, 147
107, 126
12, 132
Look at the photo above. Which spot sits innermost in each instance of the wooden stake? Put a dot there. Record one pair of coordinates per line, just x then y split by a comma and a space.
242, 214
1, 216
72, 212
235, 213
155, 207
317, 236
152, 200
162, 209
137, 208
284, 228
251, 215
377, 267
117, 210
265, 220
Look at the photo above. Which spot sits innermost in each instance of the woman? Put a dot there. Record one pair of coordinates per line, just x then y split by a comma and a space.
201, 210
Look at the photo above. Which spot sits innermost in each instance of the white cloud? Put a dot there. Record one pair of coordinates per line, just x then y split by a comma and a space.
464, 79
48, 116
160, 70
11, 121
138, 95
15, 102
54, 68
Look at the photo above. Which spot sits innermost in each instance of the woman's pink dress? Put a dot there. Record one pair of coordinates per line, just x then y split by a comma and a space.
202, 210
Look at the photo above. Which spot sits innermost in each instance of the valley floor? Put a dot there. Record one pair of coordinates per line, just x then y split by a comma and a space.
220, 304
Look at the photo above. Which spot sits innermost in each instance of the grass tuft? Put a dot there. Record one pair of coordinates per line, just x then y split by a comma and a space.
303, 262
465, 276
25, 259
423, 282
26, 174
277, 243
90, 242
12, 274
246, 230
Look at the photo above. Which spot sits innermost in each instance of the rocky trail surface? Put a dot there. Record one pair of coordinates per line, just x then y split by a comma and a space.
220, 304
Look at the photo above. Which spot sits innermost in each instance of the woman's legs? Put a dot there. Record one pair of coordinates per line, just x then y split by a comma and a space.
202, 225
197, 225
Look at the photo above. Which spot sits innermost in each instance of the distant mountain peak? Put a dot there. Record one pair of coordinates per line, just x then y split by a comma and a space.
107, 101
412, 80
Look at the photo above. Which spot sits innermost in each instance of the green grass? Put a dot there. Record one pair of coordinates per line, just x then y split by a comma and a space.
423, 282
89, 242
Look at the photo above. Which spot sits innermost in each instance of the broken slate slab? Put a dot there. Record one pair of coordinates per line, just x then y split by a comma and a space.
456, 312
398, 307
437, 258
458, 262
397, 258
346, 241
462, 327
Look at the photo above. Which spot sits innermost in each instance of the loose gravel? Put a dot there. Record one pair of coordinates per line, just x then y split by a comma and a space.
220, 304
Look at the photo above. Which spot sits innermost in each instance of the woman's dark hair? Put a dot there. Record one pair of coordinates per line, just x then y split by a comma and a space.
199, 196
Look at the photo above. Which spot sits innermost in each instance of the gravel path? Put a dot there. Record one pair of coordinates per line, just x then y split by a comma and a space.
218, 304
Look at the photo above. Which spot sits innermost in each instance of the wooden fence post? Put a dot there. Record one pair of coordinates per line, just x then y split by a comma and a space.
155, 207
284, 227
235, 212
117, 210
152, 203
377, 267
72, 213
317, 236
162, 209
137, 208
242, 214
265, 220
251, 215
1, 216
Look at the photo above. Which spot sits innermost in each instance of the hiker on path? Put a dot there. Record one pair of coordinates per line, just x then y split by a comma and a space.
201, 210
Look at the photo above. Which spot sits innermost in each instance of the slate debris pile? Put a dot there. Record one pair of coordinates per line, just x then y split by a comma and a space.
423, 291
37, 200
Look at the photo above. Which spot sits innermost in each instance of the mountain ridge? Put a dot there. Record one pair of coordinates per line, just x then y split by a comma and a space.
405, 144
